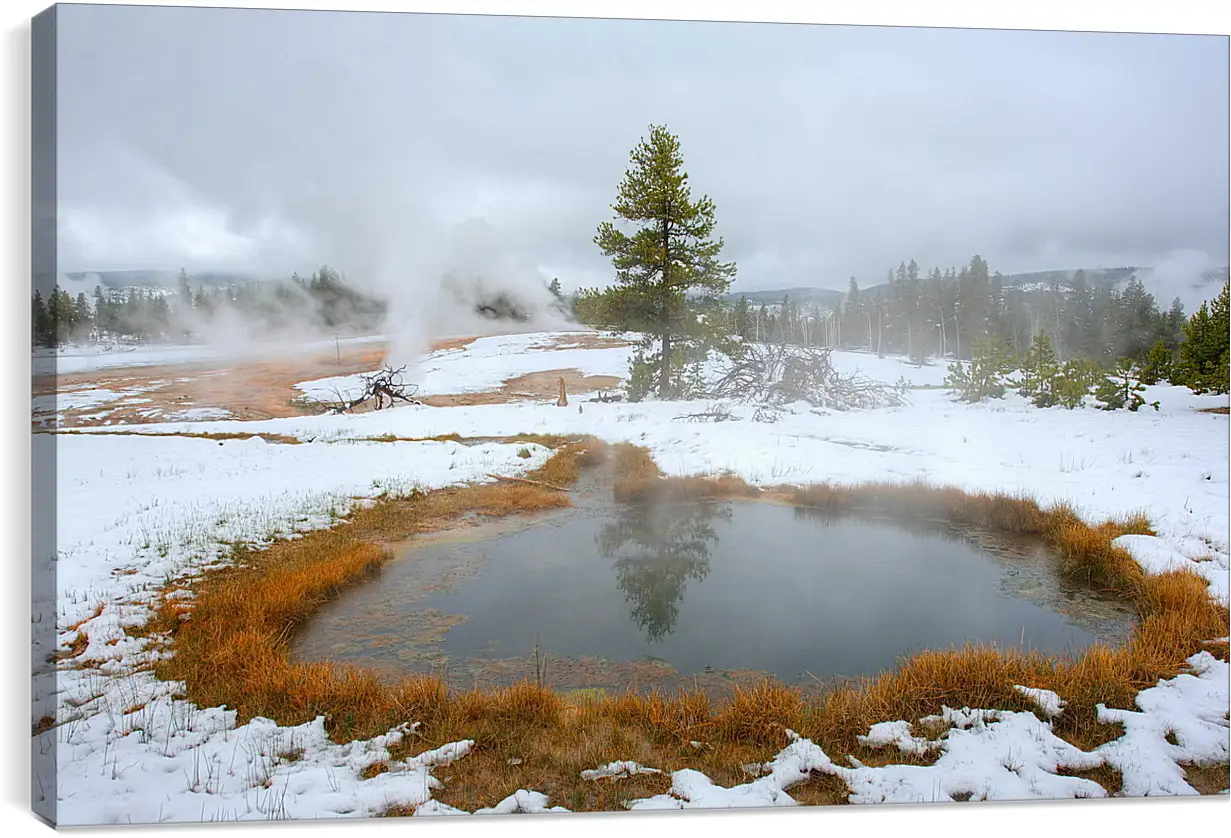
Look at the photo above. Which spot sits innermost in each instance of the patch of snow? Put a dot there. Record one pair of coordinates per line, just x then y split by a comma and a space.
620, 768
329, 389
1002, 755
156, 508
1192, 709
75, 400
521, 802
691, 789
896, 733
1049, 702
169, 762
1156, 555
198, 413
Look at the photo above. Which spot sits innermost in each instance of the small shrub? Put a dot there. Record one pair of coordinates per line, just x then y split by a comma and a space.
1039, 371
1157, 364
984, 376
1122, 389
1077, 376
642, 377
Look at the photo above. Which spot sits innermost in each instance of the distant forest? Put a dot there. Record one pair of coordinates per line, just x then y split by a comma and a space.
945, 314
183, 314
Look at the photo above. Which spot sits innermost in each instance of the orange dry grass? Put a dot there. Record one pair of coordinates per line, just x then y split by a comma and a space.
639, 479
233, 647
565, 465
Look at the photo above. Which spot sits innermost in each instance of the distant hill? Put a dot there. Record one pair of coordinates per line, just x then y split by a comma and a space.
156, 278
824, 296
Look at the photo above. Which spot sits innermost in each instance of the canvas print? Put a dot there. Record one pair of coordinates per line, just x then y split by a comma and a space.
441, 414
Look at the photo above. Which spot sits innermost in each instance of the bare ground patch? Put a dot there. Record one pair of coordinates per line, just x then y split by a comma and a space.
258, 390
584, 340
249, 390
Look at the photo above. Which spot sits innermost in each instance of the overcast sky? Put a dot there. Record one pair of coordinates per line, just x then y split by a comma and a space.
271, 141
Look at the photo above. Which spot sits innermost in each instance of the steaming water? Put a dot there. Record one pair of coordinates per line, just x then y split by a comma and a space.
704, 587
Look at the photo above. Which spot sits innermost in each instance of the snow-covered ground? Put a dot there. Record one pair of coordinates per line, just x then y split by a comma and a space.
485, 364
51, 407
147, 509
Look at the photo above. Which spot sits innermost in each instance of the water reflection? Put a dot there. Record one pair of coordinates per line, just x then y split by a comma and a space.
658, 548
719, 587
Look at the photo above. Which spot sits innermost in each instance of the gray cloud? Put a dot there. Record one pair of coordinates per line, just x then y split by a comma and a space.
275, 141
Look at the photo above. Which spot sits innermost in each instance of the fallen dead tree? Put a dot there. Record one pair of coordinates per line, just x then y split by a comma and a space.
713, 413
778, 374
528, 482
385, 384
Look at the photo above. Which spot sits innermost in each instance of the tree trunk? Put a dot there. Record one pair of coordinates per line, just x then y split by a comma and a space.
664, 375
664, 379
941, 309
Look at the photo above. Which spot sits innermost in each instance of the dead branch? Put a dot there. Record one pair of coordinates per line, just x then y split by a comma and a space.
712, 414
384, 384
525, 480
773, 375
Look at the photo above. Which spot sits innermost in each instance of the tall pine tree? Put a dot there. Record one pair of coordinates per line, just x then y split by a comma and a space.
670, 255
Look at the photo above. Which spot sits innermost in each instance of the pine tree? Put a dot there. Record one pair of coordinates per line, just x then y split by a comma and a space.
996, 321
40, 326
83, 318
975, 304
1157, 364
671, 253
1039, 370
852, 315
1174, 334
1079, 334
1204, 353
1136, 321
910, 312
102, 313
63, 316
1121, 389
984, 376
184, 291
743, 325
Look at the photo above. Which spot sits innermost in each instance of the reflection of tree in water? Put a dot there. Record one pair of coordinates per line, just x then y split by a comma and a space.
668, 544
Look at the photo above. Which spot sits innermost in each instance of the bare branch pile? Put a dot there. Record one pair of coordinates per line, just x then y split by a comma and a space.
383, 385
780, 374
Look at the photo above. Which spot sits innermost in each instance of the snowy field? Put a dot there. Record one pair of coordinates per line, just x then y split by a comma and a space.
485, 364
51, 408
146, 510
